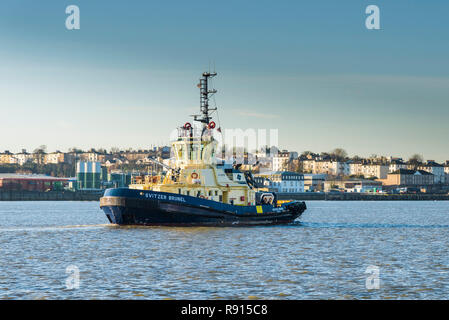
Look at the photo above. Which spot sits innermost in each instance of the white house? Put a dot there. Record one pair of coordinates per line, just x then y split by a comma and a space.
58, 157
396, 164
281, 160
284, 181
436, 169
308, 165
369, 170
22, 158
330, 167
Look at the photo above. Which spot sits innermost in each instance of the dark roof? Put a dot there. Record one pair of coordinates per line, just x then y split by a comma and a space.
424, 173
407, 171
279, 173
431, 164
403, 171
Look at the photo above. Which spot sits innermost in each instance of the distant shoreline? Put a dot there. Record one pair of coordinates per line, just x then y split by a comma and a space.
306, 196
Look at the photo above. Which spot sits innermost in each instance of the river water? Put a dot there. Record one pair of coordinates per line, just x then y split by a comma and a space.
338, 250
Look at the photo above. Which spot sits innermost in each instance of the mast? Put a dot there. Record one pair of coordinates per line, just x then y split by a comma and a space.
205, 117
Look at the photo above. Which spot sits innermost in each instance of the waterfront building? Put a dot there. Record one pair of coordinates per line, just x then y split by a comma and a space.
31, 182
434, 168
284, 181
407, 177
314, 182
353, 185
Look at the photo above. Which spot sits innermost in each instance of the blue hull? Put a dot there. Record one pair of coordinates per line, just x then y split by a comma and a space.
141, 207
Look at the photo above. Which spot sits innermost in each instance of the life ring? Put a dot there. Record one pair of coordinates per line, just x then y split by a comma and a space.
194, 175
202, 197
211, 125
187, 126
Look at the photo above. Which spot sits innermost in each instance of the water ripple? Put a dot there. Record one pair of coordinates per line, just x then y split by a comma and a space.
324, 256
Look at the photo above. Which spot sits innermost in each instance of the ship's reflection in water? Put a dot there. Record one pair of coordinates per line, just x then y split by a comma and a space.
324, 256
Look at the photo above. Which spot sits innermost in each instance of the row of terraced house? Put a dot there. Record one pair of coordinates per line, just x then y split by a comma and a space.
106, 158
383, 169
310, 170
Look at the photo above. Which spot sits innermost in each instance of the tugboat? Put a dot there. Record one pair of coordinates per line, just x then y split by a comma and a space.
198, 190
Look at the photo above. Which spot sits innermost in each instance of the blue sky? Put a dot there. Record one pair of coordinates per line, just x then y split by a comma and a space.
309, 68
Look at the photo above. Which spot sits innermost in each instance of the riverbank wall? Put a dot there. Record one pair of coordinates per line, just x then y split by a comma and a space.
49, 196
361, 197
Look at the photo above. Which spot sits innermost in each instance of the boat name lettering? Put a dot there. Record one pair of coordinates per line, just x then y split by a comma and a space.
156, 196
164, 197
173, 198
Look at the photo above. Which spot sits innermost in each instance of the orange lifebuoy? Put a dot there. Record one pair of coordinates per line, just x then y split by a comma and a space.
187, 125
202, 197
211, 125
194, 175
